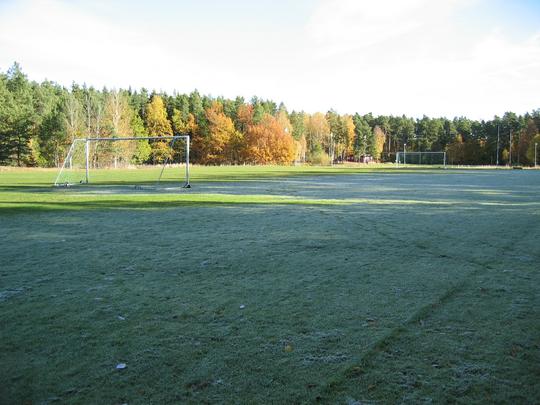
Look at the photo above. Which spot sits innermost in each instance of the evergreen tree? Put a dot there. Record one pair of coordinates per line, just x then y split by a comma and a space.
18, 118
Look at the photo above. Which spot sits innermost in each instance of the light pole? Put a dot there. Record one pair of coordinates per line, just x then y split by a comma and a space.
498, 135
510, 147
535, 145
404, 153
331, 149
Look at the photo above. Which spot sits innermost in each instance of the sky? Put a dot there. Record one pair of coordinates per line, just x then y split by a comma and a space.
474, 58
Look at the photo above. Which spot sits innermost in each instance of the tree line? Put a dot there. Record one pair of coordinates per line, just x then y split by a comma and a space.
39, 121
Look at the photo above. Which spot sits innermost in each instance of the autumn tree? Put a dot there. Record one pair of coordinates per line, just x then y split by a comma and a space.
378, 143
118, 114
244, 117
157, 124
299, 122
223, 142
156, 118
72, 116
267, 142
179, 121
338, 140
383, 122
143, 151
317, 138
38, 122
347, 126
282, 118
118, 119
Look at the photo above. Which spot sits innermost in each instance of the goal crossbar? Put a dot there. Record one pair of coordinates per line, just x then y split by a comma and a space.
172, 138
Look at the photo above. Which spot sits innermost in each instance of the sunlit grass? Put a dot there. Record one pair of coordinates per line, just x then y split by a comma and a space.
46, 177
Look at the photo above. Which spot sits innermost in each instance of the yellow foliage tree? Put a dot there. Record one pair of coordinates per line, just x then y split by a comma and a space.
222, 141
300, 149
318, 133
348, 129
379, 139
118, 118
158, 124
156, 118
284, 122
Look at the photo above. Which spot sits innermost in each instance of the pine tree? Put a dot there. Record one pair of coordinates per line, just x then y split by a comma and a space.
18, 118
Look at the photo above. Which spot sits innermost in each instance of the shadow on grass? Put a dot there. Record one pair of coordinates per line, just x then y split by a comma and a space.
14, 207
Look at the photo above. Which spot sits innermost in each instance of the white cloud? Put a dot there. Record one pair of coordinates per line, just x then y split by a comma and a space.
415, 57
385, 56
349, 24
54, 40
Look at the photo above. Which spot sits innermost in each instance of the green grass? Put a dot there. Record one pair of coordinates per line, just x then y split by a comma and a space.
15, 177
356, 286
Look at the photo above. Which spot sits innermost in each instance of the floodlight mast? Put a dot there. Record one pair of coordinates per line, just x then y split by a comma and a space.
510, 148
404, 154
498, 136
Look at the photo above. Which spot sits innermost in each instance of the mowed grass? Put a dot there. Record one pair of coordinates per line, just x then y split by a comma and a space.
46, 177
271, 285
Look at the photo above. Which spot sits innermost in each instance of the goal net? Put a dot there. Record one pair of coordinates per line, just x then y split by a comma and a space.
421, 158
126, 160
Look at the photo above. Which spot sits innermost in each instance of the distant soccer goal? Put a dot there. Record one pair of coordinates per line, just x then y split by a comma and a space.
108, 160
421, 158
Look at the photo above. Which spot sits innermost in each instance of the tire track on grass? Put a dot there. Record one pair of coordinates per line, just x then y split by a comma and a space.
336, 388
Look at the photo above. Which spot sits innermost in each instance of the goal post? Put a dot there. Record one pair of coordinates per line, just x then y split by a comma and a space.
421, 158
88, 154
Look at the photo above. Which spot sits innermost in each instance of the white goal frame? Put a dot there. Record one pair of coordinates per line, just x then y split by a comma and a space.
405, 154
87, 141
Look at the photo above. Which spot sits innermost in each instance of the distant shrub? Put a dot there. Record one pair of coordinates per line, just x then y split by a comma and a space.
319, 158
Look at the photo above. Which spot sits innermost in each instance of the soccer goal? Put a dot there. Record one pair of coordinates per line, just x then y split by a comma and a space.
126, 159
421, 158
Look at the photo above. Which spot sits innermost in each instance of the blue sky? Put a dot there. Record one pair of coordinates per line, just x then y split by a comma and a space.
441, 58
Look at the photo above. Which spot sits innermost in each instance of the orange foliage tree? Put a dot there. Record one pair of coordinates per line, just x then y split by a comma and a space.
244, 117
267, 142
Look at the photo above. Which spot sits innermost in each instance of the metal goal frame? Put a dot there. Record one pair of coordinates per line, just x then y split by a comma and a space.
87, 141
404, 154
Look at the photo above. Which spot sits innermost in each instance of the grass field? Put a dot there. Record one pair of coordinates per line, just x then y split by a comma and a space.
271, 285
